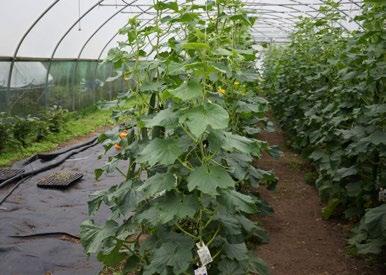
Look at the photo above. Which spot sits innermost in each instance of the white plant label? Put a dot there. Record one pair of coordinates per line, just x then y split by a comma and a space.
204, 254
201, 271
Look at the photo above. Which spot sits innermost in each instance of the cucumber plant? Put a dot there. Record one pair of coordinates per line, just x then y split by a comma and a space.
327, 89
187, 148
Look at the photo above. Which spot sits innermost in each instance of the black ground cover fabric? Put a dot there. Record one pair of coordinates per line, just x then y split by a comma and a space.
31, 210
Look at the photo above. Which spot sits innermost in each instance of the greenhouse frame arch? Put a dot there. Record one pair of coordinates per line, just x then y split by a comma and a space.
77, 66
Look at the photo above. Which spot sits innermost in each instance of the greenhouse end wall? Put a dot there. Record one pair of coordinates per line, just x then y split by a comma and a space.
36, 85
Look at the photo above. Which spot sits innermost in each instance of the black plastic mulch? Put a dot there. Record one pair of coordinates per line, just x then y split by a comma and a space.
30, 210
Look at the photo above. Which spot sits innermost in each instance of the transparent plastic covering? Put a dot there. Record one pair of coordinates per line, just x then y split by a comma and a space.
52, 45
72, 85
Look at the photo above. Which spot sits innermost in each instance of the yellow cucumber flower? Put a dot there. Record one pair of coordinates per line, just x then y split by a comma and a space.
221, 91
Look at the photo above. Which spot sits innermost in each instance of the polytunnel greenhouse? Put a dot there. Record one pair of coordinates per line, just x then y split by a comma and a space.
193, 137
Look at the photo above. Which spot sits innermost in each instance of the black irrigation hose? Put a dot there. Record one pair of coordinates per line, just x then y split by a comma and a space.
44, 234
18, 176
12, 189
26, 175
49, 166
50, 156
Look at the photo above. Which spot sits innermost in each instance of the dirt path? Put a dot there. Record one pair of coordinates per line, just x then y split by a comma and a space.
300, 241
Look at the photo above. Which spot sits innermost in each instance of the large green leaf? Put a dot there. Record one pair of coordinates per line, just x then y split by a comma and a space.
370, 237
175, 68
186, 18
251, 227
230, 267
243, 18
162, 151
168, 208
345, 172
95, 201
161, 5
247, 76
123, 199
199, 118
157, 184
188, 90
163, 118
375, 221
237, 201
257, 265
377, 138
250, 265
222, 51
93, 236
252, 107
238, 252
151, 86
259, 176
174, 256
239, 164
229, 222
209, 179
232, 142
112, 256
195, 46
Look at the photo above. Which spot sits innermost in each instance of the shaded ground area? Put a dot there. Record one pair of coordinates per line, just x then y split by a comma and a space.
300, 241
31, 210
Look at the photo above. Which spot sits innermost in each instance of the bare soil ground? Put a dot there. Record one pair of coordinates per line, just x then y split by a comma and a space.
300, 241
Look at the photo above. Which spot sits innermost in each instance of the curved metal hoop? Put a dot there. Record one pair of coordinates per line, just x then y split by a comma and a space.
64, 36
269, 16
22, 40
96, 31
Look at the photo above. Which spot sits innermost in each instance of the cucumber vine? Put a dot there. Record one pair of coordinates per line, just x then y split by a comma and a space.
188, 147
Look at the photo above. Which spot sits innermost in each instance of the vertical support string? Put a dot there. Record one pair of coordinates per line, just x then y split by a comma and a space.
206, 10
79, 11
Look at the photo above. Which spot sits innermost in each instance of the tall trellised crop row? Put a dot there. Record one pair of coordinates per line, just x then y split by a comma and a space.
328, 92
186, 152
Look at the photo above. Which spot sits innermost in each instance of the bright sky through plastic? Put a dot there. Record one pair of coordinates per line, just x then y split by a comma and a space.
276, 20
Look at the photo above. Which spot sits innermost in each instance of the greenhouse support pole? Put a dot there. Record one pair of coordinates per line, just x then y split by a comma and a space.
73, 82
97, 89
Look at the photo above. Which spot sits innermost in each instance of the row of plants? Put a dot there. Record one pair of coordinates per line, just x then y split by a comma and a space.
44, 132
327, 88
18, 131
188, 200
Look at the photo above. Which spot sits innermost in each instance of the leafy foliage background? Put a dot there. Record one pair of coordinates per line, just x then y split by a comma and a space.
327, 88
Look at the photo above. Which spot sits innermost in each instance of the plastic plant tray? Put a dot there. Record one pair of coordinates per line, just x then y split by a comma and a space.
61, 179
7, 173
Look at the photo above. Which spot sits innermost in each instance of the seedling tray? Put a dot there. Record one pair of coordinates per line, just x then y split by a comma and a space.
60, 180
7, 173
